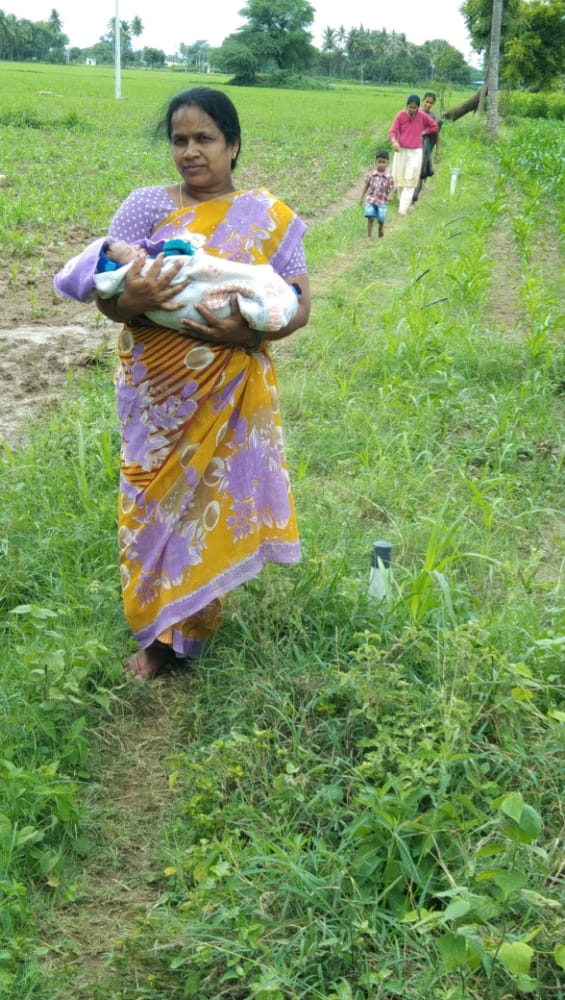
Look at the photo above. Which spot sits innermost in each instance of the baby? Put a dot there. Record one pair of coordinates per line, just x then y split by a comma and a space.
265, 300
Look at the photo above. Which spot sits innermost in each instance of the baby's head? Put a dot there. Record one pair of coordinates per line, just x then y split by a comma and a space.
121, 252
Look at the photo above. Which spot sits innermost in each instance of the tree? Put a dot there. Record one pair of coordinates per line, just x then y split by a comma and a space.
493, 65
237, 57
277, 28
153, 57
535, 55
275, 17
126, 50
532, 50
55, 22
360, 49
102, 52
136, 27
195, 54
478, 18
8, 35
331, 49
446, 63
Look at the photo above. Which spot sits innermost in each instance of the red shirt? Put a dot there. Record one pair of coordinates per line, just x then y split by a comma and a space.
408, 131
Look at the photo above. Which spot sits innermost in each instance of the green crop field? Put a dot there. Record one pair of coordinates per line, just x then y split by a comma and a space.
72, 151
343, 799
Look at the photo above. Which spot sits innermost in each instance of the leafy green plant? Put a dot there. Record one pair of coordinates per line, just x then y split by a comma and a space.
483, 924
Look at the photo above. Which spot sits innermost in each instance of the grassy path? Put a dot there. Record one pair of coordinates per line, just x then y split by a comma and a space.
335, 771
122, 877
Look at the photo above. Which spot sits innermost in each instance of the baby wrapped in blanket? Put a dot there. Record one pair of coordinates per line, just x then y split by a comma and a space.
265, 300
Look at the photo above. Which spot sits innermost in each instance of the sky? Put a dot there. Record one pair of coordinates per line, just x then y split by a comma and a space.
165, 28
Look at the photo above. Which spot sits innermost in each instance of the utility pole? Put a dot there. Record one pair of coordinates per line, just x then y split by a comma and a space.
117, 54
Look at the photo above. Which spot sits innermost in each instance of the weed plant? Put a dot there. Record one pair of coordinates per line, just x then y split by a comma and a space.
354, 801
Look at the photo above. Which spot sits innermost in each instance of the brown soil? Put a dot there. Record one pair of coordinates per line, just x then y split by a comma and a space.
42, 338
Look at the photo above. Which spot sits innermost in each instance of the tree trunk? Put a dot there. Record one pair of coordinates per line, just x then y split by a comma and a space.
471, 104
493, 64
483, 92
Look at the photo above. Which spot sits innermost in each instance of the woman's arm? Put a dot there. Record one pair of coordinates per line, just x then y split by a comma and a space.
234, 331
394, 133
144, 292
431, 126
302, 315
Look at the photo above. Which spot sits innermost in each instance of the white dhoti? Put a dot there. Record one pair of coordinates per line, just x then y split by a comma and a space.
406, 167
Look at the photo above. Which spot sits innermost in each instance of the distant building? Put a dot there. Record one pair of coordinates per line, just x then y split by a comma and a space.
90, 62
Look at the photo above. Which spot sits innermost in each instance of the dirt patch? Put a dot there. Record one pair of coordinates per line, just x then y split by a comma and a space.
42, 338
34, 365
122, 875
505, 309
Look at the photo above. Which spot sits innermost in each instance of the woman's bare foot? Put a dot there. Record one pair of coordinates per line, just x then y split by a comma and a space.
146, 663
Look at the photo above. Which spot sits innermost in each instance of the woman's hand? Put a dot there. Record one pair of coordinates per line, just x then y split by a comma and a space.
234, 331
153, 290
229, 331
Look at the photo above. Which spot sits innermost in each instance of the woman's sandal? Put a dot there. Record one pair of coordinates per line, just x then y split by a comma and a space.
146, 663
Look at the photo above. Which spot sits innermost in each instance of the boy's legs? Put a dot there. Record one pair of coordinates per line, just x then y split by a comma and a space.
370, 214
381, 216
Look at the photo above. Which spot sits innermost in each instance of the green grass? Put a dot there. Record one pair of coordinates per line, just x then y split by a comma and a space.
340, 801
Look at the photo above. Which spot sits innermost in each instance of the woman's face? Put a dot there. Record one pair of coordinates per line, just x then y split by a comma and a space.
412, 108
200, 152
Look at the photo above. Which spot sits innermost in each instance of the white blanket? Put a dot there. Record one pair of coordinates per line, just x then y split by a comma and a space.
266, 301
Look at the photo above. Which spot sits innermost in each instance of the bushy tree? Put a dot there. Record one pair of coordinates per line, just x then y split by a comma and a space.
153, 57
22, 39
275, 35
449, 64
532, 52
237, 56
478, 18
535, 54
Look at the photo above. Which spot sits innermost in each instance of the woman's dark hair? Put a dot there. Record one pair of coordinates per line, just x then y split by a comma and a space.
215, 104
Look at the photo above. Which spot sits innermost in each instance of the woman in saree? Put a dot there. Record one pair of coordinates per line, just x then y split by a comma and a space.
205, 499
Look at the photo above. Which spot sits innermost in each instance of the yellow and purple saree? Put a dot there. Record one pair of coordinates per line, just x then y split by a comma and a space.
205, 499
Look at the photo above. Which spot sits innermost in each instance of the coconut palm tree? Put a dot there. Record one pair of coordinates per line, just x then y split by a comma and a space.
493, 68
55, 22
329, 46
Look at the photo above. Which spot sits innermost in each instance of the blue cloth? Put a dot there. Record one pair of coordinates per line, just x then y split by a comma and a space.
375, 211
172, 247
105, 264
